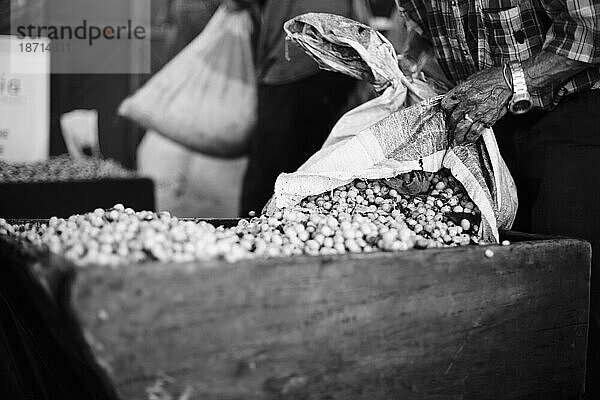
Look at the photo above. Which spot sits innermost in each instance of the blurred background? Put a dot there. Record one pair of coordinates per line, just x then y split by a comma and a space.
187, 183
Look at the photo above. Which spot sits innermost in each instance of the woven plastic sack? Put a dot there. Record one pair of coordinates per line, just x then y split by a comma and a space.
383, 138
205, 98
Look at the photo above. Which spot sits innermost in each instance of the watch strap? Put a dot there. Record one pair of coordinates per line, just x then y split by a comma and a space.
520, 102
519, 85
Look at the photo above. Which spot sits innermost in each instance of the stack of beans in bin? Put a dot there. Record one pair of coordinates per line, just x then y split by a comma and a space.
414, 210
62, 169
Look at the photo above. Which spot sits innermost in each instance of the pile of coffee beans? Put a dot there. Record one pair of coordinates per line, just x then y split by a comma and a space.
416, 210
63, 168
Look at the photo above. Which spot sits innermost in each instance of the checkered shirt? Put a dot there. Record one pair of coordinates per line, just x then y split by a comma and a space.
471, 35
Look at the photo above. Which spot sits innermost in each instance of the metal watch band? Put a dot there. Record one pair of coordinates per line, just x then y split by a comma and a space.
518, 77
520, 102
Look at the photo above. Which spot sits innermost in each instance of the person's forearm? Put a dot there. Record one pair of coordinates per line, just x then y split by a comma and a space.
549, 70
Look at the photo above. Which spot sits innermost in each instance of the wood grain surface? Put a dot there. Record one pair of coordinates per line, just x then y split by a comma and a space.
430, 324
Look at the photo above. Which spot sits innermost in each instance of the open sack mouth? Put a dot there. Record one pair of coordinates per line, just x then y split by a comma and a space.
330, 40
341, 51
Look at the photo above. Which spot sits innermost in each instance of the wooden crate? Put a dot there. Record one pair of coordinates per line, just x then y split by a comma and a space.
427, 324
433, 324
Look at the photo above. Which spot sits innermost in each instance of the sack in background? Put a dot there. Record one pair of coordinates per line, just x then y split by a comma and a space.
189, 184
382, 139
167, 163
205, 98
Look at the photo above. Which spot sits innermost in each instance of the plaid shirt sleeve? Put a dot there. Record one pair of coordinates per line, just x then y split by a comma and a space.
575, 29
570, 28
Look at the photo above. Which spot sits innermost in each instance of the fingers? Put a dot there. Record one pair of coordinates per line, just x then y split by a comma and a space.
468, 131
458, 115
461, 130
475, 131
463, 119
450, 101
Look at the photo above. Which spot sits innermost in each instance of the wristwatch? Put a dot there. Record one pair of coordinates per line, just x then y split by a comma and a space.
520, 102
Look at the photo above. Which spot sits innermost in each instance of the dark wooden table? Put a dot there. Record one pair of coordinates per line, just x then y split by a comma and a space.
423, 324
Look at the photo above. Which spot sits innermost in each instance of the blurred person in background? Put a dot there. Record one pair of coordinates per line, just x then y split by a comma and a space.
298, 104
531, 70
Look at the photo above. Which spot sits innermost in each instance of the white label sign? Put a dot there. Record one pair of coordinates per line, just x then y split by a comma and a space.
24, 101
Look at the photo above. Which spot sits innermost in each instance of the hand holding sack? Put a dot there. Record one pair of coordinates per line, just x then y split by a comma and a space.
382, 138
205, 98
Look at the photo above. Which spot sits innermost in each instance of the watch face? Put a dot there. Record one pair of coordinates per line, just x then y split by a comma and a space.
520, 107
